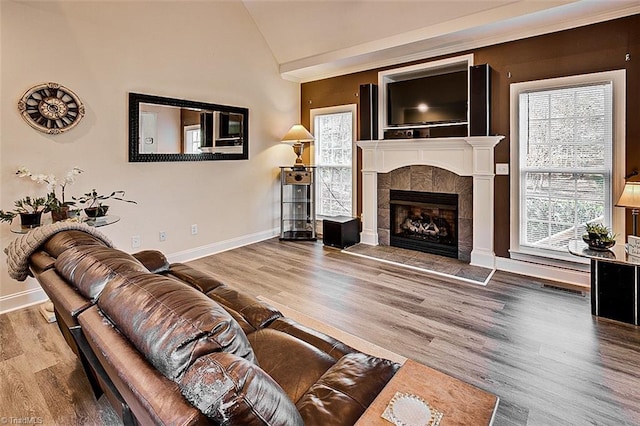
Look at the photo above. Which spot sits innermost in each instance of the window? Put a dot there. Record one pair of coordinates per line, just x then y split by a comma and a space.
564, 161
334, 131
192, 139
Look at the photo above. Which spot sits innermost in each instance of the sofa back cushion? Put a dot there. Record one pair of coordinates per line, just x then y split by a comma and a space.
171, 323
256, 312
230, 390
62, 241
89, 268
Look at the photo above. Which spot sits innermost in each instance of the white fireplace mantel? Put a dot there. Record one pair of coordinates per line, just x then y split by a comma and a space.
465, 156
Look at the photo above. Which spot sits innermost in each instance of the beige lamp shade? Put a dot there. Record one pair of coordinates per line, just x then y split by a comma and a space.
297, 133
297, 136
630, 197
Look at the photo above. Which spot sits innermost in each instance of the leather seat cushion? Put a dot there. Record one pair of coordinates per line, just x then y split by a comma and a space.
171, 323
345, 391
64, 240
90, 268
233, 391
295, 365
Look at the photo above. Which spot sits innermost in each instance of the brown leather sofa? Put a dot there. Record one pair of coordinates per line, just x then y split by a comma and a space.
169, 344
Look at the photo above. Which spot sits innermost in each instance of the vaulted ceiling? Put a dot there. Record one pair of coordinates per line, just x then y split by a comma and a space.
313, 39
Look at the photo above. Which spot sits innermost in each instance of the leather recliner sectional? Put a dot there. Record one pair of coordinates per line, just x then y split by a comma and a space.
169, 344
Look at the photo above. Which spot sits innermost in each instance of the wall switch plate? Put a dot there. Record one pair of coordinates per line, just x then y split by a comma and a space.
502, 168
194, 229
162, 236
135, 241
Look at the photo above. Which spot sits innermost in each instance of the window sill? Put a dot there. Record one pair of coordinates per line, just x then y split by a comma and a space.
555, 259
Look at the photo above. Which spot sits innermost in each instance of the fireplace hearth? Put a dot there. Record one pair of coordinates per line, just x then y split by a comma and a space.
424, 221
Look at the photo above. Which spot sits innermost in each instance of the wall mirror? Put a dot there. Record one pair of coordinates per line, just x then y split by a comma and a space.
167, 129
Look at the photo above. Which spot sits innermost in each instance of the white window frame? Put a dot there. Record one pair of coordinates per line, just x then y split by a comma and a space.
549, 257
352, 108
186, 146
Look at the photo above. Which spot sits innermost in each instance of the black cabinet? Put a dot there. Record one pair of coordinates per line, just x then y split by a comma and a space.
614, 291
340, 231
615, 281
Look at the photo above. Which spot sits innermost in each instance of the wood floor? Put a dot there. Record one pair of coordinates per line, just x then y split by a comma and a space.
539, 349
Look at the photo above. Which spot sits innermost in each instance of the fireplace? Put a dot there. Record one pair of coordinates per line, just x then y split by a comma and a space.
424, 221
463, 156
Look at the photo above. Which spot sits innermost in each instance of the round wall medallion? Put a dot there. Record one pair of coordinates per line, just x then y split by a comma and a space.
51, 108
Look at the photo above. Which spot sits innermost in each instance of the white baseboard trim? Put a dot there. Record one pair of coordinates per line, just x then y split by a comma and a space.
22, 299
483, 258
209, 249
544, 271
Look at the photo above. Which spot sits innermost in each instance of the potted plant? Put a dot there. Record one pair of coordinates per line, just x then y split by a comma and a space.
596, 230
59, 207
29, 209
599, 237
94, 200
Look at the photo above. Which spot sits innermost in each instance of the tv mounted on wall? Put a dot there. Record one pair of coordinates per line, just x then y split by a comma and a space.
429, 100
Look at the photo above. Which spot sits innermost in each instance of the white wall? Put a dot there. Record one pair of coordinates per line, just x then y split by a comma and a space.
204, 51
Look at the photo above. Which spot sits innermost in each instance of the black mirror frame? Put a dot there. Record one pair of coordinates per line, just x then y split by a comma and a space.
134, 123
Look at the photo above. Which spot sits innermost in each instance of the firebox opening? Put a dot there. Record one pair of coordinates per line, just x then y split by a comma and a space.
425, 221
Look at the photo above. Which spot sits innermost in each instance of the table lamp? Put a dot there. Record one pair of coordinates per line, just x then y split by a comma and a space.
630, 198
297, 136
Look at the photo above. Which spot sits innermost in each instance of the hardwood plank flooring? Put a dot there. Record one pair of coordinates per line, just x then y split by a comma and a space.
537, 348
41, 380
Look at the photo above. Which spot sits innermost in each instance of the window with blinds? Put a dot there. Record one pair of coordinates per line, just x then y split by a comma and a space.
565, 164
333, 134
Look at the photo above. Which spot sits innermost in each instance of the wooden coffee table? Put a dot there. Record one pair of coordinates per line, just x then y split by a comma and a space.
461, 403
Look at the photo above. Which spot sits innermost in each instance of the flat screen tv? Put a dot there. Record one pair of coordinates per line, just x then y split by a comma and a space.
434, 99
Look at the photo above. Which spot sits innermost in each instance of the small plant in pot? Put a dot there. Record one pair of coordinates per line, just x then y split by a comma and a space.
29, 209
59, 207
599, 237
94, 200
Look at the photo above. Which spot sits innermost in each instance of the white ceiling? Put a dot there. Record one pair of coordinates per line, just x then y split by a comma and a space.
313, 39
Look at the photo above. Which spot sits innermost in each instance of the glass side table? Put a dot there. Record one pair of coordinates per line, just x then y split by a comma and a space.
95, 222
615, 281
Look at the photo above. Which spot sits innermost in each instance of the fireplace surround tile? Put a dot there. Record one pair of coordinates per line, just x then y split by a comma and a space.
428, 179
464, 188
443, 180
400, 178
384, 217
421, 178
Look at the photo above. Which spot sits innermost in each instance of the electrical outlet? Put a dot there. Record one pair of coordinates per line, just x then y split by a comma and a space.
502, 168
135, 241
194, 229
162, 236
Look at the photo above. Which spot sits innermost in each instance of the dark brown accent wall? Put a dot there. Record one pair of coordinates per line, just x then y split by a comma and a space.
594, 48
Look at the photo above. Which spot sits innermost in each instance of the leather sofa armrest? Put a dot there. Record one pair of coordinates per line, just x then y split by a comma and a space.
68, 302
153, 260
40, 261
